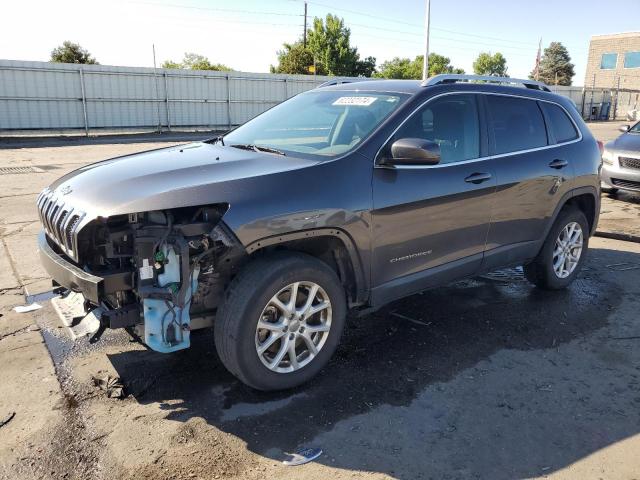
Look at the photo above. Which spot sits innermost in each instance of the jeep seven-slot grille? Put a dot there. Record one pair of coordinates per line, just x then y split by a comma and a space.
628, 162
60, 222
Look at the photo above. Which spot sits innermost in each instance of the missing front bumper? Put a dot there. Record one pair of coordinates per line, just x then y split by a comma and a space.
73, 278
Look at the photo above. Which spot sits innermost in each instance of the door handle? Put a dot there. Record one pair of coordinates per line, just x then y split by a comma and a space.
478, 178
558, 164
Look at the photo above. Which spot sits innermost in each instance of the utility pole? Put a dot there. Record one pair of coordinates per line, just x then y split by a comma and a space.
425, 64
304, 35
155, 77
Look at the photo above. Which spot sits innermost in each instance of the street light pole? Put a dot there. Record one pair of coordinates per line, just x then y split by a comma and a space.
425, 64
304, 33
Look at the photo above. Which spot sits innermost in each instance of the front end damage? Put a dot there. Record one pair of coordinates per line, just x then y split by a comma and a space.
158, 274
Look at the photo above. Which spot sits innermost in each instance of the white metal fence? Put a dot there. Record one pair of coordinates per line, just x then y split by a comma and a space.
602, 103
58, 96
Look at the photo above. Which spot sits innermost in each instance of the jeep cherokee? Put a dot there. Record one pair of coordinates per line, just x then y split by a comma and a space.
340, 199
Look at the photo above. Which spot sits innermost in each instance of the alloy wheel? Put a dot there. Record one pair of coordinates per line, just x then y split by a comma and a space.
293, 327
567, 250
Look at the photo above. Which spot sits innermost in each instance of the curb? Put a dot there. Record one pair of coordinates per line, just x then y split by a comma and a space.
625, 237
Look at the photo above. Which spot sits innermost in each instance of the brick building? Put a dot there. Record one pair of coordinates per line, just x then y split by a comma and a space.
613, 57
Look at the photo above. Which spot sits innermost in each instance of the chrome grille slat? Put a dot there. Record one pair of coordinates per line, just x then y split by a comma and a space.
63, 228
60, 222
45, 208
39, 204
48, 209
59, 215
73, 232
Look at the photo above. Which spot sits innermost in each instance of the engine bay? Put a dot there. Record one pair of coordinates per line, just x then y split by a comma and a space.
175, 265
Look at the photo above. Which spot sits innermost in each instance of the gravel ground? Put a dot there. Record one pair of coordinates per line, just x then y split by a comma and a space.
485, 378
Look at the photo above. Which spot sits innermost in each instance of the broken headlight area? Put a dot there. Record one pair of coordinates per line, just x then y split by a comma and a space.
178, 262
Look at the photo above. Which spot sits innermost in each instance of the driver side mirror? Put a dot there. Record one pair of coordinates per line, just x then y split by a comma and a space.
413, 151
624, 128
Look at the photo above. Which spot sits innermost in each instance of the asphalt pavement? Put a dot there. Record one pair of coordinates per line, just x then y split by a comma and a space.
485, 378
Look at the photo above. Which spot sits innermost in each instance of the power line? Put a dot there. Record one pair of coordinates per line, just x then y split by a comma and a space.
223, 21
369, 27
440, 37
445, 48
227, 10
415, 25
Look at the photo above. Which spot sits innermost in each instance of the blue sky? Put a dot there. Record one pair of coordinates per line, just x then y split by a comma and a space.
246, 34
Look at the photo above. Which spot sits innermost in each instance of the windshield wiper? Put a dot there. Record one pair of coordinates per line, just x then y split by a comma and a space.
258, 148
215, 140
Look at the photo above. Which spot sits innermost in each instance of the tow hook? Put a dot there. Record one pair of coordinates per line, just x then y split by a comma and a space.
125, 317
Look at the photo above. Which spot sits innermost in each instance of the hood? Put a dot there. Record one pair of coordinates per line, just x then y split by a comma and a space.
627, 142
185, 175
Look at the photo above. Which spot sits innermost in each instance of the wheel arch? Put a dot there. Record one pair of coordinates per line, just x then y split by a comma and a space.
584, 198
331, 245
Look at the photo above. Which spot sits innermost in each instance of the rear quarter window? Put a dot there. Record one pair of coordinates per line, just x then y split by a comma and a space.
516, 124
560, 125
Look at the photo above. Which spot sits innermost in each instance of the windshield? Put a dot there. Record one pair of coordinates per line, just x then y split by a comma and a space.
327, 123
635, 128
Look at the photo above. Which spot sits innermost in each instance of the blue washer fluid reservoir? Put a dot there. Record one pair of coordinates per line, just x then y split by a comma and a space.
163, 331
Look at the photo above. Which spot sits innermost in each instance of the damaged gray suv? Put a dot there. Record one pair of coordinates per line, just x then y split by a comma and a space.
338, 200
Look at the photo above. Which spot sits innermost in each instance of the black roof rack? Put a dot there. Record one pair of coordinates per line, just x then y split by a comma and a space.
339, 81
453, 78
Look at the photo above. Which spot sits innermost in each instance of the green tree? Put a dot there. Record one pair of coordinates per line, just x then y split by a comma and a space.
555, 66
194, 61
405, 68
295, 58
494, 65
329, 44
439, 64
171, 64
70, 52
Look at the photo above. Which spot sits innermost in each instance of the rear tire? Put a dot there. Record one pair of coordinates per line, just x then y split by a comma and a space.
270, 343
563, 252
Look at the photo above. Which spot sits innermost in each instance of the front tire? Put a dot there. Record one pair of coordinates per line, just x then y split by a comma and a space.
563, 252
281, 321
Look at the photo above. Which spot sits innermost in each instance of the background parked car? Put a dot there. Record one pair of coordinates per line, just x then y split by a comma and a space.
621, 161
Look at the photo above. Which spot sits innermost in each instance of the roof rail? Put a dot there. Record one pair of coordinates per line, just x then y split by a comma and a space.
453, 78
339, 81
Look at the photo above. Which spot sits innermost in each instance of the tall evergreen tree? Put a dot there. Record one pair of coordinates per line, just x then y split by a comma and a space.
555, 66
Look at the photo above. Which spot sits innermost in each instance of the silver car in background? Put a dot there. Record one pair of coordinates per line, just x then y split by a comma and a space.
621, 161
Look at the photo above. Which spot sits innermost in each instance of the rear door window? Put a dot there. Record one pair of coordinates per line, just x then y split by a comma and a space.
516, 124
560, 124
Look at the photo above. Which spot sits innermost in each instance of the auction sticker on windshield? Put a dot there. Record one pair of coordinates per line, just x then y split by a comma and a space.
355, 101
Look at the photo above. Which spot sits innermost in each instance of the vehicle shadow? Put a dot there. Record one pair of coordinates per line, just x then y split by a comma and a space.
466, 380
624, 196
